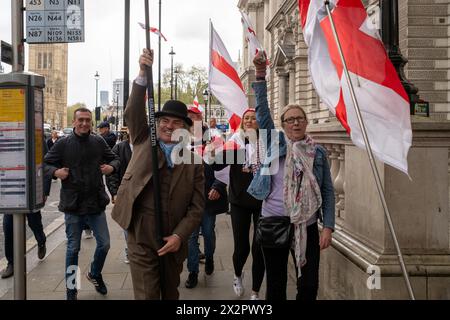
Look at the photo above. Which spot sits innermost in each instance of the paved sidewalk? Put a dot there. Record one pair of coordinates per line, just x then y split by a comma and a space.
45, 280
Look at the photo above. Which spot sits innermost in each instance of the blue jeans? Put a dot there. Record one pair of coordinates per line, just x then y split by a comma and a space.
35, 224
74, 228
209, 235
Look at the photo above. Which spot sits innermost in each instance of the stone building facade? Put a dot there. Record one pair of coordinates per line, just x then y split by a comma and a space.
50, 61
362, 261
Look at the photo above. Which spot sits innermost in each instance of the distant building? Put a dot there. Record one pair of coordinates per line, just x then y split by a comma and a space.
117, 99
50, 60
104, 98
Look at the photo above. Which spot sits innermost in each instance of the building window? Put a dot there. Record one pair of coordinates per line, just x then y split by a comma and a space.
50, 60
45, 60
39, 60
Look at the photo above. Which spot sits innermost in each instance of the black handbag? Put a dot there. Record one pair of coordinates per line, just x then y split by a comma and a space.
274, 232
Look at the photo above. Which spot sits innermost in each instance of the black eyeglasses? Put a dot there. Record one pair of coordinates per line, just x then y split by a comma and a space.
292, 120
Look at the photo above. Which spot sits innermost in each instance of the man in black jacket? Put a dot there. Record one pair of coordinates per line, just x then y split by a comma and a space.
80, 160
106, 134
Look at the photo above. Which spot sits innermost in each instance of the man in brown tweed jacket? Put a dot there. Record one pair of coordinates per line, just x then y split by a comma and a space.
182, 195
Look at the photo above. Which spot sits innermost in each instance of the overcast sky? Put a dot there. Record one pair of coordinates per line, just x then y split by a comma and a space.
185, 23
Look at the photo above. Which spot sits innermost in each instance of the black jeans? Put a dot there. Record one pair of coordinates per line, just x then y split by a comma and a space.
241, 218
276, 261
35, 224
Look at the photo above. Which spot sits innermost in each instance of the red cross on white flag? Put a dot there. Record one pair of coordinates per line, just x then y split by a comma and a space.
224, 81
198, 105
250, 35
154, 30
382, 99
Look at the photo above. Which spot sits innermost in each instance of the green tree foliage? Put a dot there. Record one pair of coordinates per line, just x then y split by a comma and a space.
71, 109
190, 83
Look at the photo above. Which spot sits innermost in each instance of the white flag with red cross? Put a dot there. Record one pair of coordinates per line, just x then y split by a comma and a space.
198, 105
250, 35
153, 30
224, 82
382, 99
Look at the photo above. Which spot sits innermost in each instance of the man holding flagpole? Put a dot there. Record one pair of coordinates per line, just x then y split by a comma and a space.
134, 209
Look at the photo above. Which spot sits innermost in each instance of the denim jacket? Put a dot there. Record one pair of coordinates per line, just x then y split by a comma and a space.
260, 187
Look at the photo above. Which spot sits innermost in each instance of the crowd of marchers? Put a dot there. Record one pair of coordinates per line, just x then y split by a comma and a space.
277, 182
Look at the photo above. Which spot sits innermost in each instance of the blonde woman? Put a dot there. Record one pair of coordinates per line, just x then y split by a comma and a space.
247, 155
294, 181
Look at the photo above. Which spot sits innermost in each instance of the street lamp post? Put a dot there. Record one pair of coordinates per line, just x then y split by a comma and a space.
172, 53
97, 110
390, 37
205, 99
176, 82
117, 112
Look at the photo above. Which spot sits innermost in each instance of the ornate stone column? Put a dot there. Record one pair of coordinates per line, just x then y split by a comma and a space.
281, 74
291, 70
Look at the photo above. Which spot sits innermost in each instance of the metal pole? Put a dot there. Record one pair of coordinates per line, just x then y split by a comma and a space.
96, 99
159, 60
126, 57
389, 35
171, 72
370, 154
117, 116
20, 261
176, 84
206, 109
155, 169
17, 35
210, 60
96, 92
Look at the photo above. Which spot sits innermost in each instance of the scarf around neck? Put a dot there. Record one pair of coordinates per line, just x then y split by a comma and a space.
167, 149
302, 197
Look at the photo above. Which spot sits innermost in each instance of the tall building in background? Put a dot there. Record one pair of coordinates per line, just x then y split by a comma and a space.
104, 98
50, 60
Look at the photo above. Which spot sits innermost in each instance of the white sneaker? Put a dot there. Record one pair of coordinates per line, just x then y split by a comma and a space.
126, 260
88, 234
254, 296
238, 286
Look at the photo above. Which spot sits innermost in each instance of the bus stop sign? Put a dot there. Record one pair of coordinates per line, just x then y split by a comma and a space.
54, 21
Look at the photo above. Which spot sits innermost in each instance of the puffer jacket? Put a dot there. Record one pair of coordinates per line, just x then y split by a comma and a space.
83, 192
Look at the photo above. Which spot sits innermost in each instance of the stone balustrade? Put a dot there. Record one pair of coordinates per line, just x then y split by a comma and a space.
363, 263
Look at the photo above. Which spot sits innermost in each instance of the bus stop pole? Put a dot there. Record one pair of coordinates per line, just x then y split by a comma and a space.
20, 275
20, 261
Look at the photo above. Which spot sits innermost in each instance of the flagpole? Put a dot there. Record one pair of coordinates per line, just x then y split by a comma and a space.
209, 72
370, 154
159, 60
154, 143
126, 64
